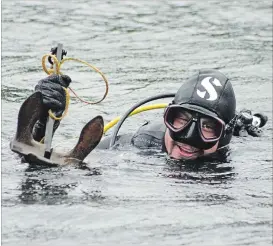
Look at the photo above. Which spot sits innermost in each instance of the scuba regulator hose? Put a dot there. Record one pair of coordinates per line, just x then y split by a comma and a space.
116, 130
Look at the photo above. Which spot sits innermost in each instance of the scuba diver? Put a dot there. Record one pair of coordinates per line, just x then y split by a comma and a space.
200, 121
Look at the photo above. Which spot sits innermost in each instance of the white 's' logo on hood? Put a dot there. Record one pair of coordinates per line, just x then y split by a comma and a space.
209, 88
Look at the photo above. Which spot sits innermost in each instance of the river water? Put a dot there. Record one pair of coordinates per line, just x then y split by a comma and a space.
144, 48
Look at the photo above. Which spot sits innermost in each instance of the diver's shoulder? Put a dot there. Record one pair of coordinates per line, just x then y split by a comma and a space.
149, 135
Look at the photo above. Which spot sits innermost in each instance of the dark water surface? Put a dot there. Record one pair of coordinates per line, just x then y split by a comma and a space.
144, 48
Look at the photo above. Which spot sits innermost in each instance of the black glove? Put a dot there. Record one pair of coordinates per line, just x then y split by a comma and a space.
53, 94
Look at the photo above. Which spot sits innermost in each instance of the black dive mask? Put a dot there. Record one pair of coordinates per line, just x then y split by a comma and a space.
199, 130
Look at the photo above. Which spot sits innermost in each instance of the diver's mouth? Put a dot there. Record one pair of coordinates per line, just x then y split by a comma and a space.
187, 149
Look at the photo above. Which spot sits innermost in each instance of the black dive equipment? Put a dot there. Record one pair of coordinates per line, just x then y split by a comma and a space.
248, 124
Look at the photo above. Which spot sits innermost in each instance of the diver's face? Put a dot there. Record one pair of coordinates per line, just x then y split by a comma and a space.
182, 151
200, 128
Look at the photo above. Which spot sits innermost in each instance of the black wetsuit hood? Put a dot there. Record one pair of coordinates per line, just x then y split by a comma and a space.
209, 92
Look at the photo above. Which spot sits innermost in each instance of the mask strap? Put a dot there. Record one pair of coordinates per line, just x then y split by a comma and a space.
165, 109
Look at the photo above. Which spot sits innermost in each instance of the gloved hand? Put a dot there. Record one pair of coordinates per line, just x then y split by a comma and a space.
53, 93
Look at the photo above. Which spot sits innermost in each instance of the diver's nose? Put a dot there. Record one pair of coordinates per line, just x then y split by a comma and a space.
191, 129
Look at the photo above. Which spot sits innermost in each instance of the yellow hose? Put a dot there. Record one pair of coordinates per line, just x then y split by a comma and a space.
136, 111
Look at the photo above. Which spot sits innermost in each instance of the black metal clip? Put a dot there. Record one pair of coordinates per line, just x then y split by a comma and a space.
54, 52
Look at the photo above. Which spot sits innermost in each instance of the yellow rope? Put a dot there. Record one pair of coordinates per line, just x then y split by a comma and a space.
94, 68
58, 67
136, 111
51, 70
57, 71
